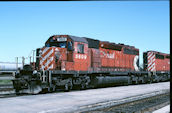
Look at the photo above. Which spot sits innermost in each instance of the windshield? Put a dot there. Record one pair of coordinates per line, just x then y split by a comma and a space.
56, 44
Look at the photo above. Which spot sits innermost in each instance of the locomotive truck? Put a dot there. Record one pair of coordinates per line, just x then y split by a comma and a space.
68, 62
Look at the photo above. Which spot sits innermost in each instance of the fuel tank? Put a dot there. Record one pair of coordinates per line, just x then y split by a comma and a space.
104, 81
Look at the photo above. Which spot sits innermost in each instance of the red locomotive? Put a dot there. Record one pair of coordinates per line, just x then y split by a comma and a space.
65, 52
69, 62
156, 61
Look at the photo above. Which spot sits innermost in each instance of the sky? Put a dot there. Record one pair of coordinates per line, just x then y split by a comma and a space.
25, 26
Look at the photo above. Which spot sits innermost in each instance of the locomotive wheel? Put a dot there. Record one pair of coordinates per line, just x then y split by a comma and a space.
150, 81
141, 81
157, 80
83, 85
135, 82
52, 89
17, 91
68, 86
35, 89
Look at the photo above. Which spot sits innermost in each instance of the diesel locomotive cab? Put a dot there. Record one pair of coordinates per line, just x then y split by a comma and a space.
57, 42
61, 41
57, 48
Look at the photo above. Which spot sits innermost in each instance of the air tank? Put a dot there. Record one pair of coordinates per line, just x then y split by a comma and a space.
10, 66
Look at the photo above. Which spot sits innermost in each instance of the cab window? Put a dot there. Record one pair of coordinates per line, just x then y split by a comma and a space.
56, 44
158, 56
70, 48
80, 48
168, 57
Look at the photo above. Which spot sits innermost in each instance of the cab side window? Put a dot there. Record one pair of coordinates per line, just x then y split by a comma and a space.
158, 56
70, 48
80, 48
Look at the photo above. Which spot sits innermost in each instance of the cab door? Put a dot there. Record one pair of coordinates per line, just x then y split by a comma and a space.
70, 51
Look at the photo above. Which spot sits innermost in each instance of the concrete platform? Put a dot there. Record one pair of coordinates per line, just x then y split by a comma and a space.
72, 101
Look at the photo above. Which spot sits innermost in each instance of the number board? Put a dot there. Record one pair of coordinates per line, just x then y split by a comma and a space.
61, 39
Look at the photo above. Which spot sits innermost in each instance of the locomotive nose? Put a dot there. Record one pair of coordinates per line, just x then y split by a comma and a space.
47, 58
57, 53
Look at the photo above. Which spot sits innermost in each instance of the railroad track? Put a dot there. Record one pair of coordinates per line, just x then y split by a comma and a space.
6, 86
7, 90
141, 104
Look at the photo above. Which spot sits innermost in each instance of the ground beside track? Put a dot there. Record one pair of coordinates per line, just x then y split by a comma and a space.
142, 105
73, 101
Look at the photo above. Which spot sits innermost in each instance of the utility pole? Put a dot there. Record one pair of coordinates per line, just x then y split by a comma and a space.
23, 60
16, 62
33, 58
30, 59
33, 54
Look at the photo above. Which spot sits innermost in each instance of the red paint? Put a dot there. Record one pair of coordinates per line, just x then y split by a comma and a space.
108, 57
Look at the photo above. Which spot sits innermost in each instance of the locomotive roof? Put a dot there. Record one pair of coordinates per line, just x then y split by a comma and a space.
78, 39
74, 38
157, 52
94, 43
119, 45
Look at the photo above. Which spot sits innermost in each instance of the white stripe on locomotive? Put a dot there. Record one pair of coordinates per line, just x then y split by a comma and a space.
45, 57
